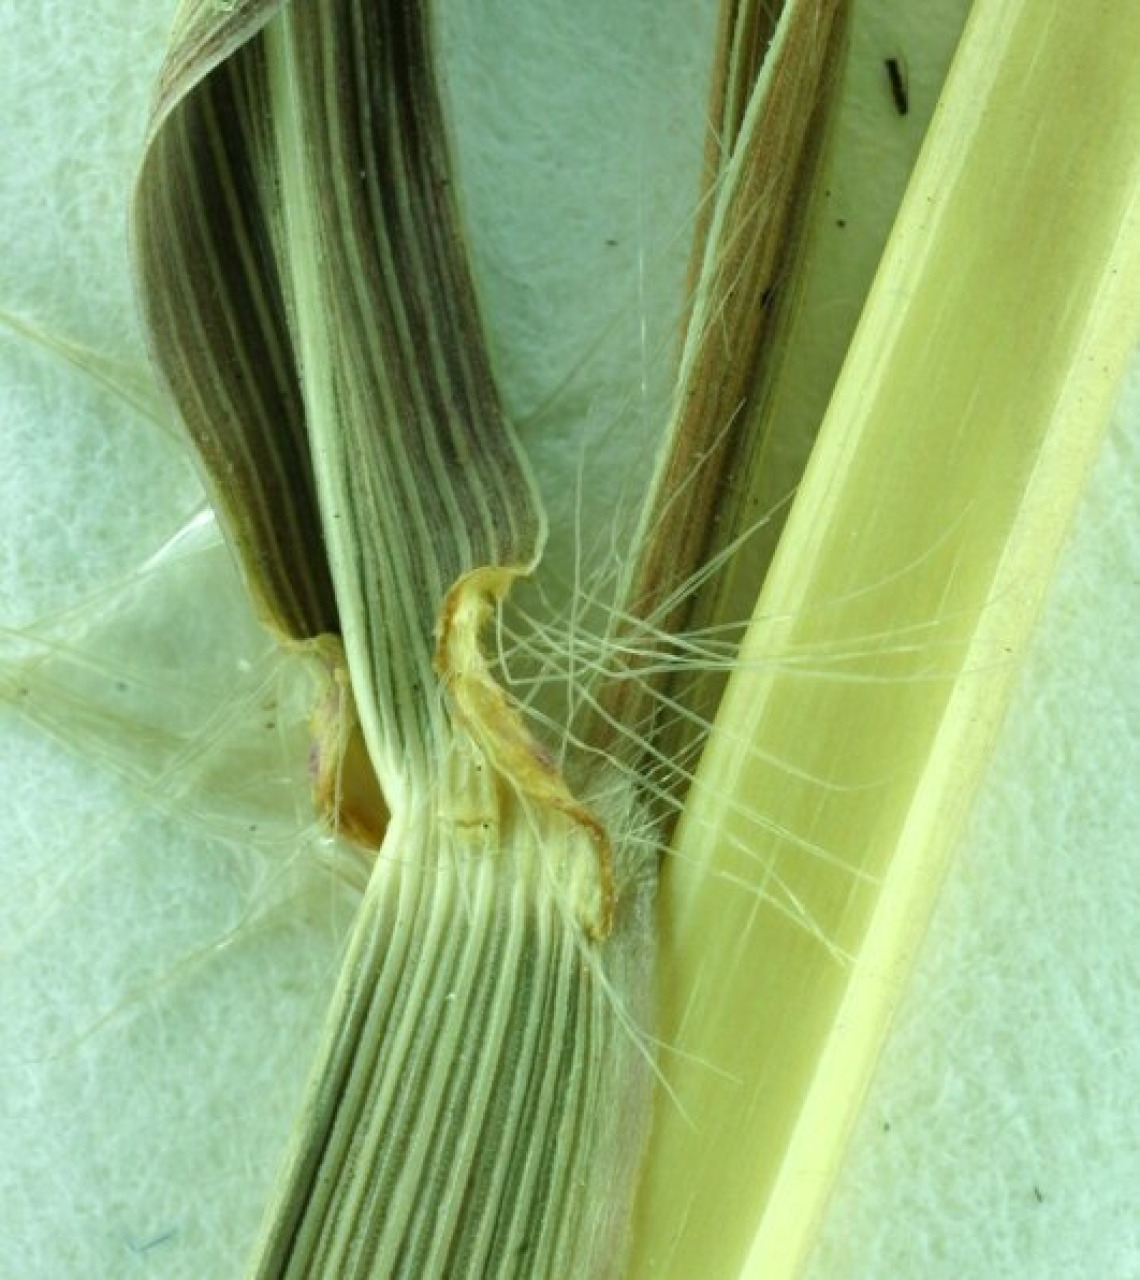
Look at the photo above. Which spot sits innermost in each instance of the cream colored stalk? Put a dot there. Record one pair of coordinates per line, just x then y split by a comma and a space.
886, 639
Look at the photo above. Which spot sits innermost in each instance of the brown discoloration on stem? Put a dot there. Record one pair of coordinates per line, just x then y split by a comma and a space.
744, 33
774, 126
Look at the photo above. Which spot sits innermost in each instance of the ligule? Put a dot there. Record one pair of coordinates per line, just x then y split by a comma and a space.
771, 99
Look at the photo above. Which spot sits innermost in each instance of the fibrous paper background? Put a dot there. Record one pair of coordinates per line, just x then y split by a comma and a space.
163, 958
